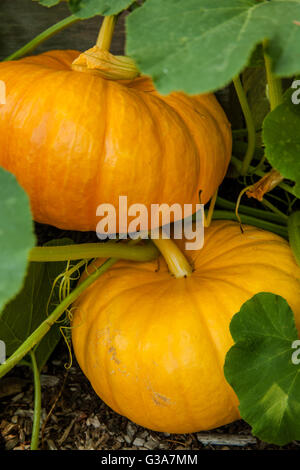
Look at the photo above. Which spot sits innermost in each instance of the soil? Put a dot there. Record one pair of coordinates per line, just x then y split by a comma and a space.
75, 418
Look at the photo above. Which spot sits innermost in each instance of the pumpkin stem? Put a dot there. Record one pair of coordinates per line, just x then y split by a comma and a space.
175, 259
99, 61
106, 32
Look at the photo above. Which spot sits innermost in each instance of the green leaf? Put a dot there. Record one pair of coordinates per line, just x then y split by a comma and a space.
281, 139
88, 8
200, 45
16, 236
28, 310
48, 3
263, 368
294, 234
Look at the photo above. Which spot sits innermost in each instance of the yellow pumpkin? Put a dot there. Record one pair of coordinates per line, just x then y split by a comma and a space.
153, 347
76, 140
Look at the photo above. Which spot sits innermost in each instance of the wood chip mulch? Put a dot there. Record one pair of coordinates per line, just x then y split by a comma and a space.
74, 418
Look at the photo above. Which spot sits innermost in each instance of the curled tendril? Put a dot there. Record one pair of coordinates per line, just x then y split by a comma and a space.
67, 333
71, 273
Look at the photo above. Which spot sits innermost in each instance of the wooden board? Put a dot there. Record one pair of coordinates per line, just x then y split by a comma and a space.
22, 20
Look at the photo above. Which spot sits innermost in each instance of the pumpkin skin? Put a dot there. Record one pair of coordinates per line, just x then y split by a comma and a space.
75, 140
153, 347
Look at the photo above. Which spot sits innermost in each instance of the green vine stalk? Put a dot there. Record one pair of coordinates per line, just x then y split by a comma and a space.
249, 122
279, 219
44, 327
274, 84
48, 33
274, 209
37, 404
250, 220
146, 252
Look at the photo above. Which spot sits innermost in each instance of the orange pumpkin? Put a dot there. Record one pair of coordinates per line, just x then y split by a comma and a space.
153, 347
75, 140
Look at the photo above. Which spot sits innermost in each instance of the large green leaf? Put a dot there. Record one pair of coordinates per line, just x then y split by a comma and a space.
84, 9
29, 308
48, 3
16, 236
281, 138
88, 8
263, 368
294, 234
200, 45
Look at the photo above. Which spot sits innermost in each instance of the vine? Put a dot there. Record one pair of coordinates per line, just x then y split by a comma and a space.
164, 50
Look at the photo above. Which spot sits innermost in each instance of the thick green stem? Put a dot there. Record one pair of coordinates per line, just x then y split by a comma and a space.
257, 213
249, 220
147, 252
37, 404
274, 84
106, 32
44, 327
273, 208
249, 122
48, 33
